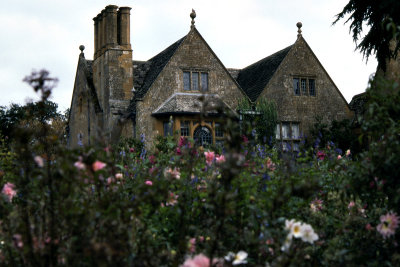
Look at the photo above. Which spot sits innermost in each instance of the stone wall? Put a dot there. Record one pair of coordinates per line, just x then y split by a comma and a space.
328, 102
193, 54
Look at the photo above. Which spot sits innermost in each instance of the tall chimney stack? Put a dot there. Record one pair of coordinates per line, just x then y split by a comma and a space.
112, 29
124, 33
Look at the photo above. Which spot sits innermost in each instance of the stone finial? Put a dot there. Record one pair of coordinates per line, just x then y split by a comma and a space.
82, 47
193, 16
299, 25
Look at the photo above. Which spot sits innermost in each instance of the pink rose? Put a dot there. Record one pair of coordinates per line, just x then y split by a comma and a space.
220, 159
8, 191
148, 182
209, 157
198, 261
39, 161
98, 165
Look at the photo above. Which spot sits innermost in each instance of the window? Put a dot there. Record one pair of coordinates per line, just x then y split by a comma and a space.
204, 81
167, 128
186, 81
288, 134
195, 81
296, 86
218, 130
304, 86
311, 86
203, 136
185, 128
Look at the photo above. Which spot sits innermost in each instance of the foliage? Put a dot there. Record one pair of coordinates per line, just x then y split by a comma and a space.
262, 117
125, 206
340, 134
380, 17
30, 115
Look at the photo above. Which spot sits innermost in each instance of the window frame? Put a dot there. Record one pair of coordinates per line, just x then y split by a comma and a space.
305, 90
289, 138
194, 86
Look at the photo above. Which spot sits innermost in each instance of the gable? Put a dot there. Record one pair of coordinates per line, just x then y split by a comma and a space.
190, 53
300, 64
255, 77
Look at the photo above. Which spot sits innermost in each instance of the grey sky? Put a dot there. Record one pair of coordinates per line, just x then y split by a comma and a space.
46, 34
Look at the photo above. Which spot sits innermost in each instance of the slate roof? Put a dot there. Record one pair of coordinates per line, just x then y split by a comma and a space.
157, 64
255, 77
190, 103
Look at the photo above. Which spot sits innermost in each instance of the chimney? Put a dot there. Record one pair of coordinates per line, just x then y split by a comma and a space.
112, 29
124, 28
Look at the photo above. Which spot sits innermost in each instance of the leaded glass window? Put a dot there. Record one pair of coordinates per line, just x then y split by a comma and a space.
203, 136
218, 130
311, 86
303, 86
296, 86
195, 81
204, 81
167, 128
185, 128
186, 81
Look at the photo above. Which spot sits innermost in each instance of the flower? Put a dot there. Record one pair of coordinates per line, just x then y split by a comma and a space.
8, 191
152, 159
148, 182
220, 159
351, 204
98, 165
209, 157
17, 238
119, 176
388, 225
172, 173
238, 258
289, 224
198, 261
172, 199
39, 161
308, 234
192, 245
79, 165
339, 157
348, 152
296, 229
321, 155
270, 164
316, 205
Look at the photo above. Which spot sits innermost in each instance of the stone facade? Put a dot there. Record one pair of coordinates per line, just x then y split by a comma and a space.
328, 102
115, 95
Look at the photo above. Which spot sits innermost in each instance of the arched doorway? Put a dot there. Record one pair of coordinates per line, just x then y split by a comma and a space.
203, 136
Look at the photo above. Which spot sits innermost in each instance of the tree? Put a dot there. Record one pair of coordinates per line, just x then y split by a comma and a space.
30, 115
263, 118
382, 17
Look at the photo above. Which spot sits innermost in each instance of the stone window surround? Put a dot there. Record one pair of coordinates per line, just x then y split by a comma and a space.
301, 77
200, 71
293, 141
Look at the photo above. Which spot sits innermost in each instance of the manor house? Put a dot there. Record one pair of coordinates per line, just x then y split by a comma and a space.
116, 96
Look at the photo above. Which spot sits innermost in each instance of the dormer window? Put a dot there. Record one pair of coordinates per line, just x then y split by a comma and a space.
304, 86
195, 81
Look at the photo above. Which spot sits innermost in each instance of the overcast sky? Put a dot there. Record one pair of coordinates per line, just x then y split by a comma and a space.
37, 34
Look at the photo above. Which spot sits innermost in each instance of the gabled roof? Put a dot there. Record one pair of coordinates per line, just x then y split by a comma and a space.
255, 77
157, 64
